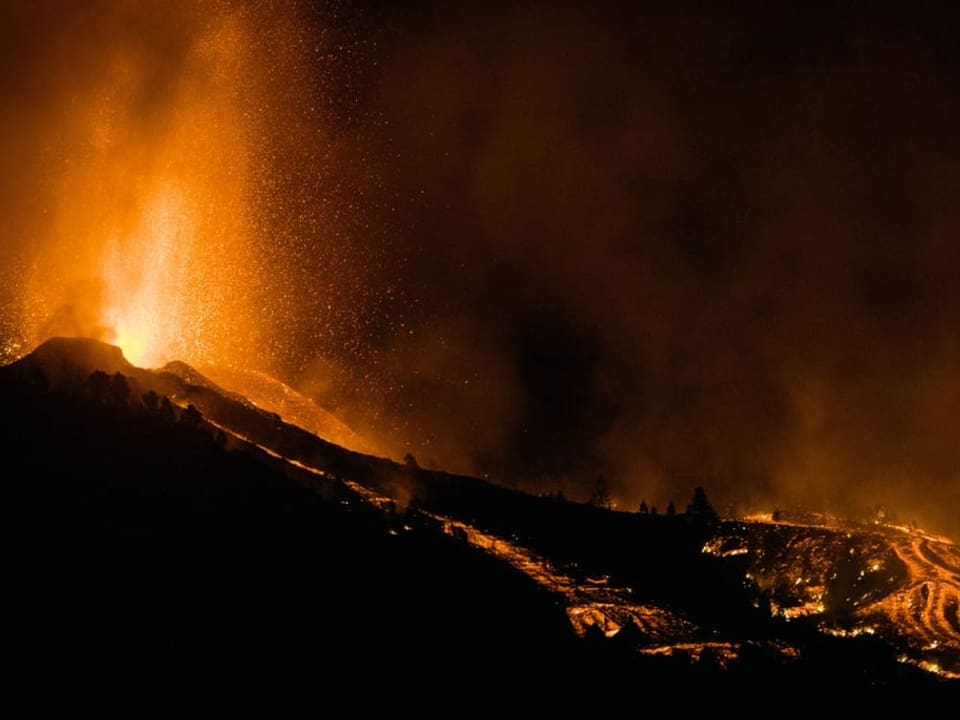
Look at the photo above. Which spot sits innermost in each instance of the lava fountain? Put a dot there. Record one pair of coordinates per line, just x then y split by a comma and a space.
168, 184
148, 247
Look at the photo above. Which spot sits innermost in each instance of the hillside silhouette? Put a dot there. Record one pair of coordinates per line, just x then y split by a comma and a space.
151, 517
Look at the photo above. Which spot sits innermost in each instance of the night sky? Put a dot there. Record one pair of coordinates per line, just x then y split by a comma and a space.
675, 244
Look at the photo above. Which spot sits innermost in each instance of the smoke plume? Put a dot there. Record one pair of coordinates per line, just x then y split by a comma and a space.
666, 244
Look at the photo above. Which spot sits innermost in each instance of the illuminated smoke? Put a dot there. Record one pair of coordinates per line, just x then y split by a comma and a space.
138, 165
677, 246
680, 245
173, 185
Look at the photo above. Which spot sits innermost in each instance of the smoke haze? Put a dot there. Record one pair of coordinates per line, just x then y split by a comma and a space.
670, 244
687, 246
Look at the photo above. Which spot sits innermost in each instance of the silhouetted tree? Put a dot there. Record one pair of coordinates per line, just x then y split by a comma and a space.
98, 386
120, 389
151, 401
108, 389
191, 416
671, 509
167, 412
653, 509
601, 493
643, 509
410, 461
699, 506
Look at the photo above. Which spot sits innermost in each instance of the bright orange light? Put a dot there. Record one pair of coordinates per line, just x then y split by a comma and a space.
133, 348
165, 226
144, 282
151, 243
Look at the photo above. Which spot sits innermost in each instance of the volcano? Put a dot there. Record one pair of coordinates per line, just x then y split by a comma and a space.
153, 516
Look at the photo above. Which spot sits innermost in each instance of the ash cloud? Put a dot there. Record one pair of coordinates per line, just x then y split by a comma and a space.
704, 246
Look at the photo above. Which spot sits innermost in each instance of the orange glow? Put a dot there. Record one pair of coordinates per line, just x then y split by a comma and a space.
165, 227
150, 242
143, 282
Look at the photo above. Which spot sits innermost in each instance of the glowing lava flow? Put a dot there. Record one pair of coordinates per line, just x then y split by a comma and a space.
840, 579
917, 607
926, 608
590, 603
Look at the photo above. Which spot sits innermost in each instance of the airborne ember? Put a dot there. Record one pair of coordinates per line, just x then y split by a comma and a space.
639, 246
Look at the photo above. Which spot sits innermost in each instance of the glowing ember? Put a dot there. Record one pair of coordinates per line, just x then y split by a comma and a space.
149, 248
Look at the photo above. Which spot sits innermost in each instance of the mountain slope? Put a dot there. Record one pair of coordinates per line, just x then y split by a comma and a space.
157, 517
128, 536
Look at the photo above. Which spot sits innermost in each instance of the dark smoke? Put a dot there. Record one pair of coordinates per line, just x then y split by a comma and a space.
673, 244
678, 245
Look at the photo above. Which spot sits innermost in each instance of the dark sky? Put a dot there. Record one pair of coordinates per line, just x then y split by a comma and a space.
674, 243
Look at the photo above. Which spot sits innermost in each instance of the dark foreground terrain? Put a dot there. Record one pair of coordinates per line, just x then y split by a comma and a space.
147, 532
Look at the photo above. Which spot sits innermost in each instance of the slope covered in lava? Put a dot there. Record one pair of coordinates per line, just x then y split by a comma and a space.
853, 579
